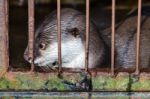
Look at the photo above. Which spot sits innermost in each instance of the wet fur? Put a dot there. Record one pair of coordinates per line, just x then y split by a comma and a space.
125, 43
100, 42
73, 47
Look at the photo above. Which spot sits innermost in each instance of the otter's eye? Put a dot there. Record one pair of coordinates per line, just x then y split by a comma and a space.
42, 46
74, 32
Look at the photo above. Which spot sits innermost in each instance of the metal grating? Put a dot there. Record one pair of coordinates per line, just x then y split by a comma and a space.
4, 15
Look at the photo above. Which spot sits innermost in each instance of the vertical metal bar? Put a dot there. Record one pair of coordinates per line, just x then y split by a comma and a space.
31, 31
6, 35
59, 34
113, 38
138, 36
87, 34
6, 43
4, 46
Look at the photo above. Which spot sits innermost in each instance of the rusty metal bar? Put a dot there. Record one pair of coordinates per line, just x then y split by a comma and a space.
87, 34
59, 34
6, 36
113, 38
4, 46
137, 71
31, 31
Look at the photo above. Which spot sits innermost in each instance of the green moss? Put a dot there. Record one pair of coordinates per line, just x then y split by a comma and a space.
145, 85
103, 83
4, 83
110, 83
15, 84
23, 81
141, 85
55, 83
136, 86
98, 83
122, 83
8, 97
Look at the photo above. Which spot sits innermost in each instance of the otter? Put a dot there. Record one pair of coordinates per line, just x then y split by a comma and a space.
125, 40
73, 42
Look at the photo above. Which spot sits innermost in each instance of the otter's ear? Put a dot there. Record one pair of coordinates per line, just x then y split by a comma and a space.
74, 32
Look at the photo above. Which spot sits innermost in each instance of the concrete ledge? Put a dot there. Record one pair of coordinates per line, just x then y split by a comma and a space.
51, 82
74, 95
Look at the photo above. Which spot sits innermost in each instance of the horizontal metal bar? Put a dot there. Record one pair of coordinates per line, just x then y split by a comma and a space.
77, 95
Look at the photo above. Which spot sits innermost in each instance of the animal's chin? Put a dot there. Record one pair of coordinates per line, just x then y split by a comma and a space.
46, 63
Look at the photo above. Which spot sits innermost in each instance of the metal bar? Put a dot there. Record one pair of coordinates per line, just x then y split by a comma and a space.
113, 38
137, 71
4, 46
87, 34
6, 36
59, 35
31, 31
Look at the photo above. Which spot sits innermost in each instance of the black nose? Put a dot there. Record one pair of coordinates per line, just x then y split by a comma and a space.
27, 58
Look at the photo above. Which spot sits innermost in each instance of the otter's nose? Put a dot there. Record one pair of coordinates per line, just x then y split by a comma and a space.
27, 58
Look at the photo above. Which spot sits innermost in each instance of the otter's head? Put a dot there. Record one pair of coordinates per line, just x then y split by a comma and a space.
46, 45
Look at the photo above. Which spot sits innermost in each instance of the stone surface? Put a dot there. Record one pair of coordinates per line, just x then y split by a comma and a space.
51, 82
